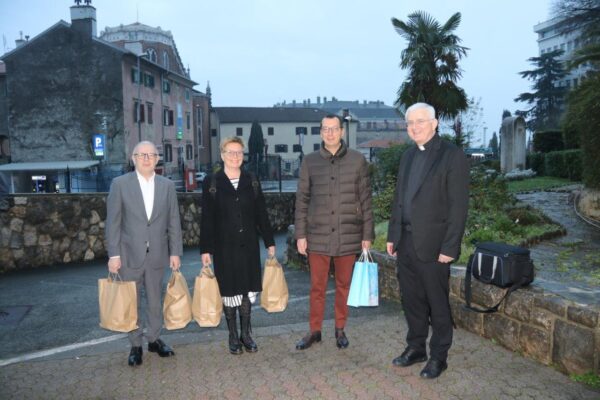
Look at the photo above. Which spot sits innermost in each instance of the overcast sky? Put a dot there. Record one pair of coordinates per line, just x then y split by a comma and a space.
261, 52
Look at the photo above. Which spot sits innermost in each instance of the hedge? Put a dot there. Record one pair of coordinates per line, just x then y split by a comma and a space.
535, 161
546, 141
564, 164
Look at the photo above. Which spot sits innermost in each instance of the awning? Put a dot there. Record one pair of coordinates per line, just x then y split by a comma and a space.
48, 166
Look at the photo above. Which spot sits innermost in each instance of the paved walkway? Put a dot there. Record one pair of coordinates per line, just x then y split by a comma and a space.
478, 369
568, 265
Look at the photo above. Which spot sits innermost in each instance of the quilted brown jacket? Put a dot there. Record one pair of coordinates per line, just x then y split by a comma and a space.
333, 202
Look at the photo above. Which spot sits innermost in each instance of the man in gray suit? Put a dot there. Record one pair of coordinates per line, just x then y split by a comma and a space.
143, 232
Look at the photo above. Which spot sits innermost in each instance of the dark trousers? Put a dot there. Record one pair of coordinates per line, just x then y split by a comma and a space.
424, 288
319, 274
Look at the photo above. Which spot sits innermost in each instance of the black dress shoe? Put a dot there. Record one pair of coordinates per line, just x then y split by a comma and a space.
433, 369
308, 340
410, 356
135, 356
160, 347
341, 341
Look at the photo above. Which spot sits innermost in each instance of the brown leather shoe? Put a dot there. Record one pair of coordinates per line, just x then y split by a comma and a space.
308, 340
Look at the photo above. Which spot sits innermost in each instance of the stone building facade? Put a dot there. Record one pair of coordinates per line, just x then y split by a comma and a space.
66, 85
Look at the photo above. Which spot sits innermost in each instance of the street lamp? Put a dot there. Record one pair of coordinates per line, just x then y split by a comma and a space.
347, 119
484, 134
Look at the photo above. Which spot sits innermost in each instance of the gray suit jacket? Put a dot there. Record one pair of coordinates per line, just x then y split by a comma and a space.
131, 235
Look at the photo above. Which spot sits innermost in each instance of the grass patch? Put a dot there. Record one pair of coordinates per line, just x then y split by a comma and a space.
537, 183
590, 379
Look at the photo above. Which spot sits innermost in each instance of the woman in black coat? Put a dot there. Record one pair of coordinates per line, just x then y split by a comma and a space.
233, 216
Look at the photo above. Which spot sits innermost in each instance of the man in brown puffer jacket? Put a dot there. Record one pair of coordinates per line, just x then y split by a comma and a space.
334, 220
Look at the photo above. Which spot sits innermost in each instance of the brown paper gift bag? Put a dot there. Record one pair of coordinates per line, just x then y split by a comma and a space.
207, 305
118, 304
177, 307
274, 297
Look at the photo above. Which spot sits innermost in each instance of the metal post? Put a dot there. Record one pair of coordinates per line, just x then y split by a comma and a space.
280, 174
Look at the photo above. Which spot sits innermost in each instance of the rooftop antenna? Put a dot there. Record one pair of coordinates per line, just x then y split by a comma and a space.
137, 12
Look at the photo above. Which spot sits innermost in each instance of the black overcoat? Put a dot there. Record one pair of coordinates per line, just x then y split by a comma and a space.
232, 221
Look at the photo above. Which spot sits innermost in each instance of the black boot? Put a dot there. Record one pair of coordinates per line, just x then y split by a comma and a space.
235, 347
247, 341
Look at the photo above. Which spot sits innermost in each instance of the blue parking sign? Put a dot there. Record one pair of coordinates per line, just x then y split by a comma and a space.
98, 144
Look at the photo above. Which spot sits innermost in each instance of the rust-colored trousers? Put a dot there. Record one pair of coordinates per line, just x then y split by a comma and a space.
319, 274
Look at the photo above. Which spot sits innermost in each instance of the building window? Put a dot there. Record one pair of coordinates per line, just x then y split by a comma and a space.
138, 109
239, 131
148, 80
200, 119
187, 95
151, 54
301, 130
281, 148
165, 59
150, 116
189, 152
188, 120
166, 86
270, 131
135, 76
315, 130
168, 153
167, 117
297, 148
213, 132
316, 146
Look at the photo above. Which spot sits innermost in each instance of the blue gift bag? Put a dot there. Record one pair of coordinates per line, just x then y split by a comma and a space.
364, 289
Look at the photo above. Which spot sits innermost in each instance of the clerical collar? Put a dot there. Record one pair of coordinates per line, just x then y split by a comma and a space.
427, 145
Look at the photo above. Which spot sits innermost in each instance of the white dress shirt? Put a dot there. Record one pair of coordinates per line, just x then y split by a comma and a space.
147, 186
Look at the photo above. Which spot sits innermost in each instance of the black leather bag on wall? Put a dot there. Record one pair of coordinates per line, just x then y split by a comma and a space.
501, 265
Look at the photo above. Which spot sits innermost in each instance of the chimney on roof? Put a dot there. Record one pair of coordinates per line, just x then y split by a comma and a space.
308, 101
20, 41
83, 18
324, 100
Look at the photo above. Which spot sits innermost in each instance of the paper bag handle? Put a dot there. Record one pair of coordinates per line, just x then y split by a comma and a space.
207, 271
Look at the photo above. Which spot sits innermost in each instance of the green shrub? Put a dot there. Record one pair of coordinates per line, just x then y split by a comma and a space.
564, 164
546, 141
492, 164
582, 118
382, 201
388, 161
535, 161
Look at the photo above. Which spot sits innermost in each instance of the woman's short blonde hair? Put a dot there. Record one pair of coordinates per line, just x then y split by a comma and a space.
231, 139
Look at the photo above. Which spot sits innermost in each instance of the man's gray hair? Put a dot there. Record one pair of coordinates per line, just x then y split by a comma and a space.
421, 106
142, 143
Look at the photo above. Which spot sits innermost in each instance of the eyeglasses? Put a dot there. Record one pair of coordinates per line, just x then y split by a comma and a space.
145, 156
231, 153
419, 122
334, 129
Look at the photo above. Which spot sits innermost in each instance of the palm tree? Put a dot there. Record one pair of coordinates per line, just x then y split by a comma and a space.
431, 58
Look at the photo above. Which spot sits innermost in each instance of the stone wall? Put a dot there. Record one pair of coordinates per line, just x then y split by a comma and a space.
46, 229
536, 323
